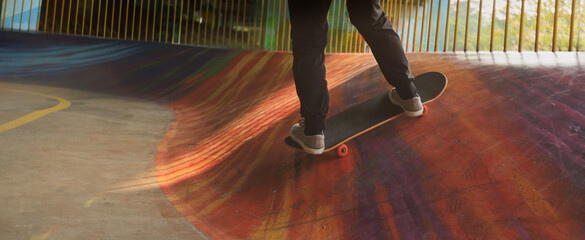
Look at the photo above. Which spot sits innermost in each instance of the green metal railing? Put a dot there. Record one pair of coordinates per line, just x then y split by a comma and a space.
424, 25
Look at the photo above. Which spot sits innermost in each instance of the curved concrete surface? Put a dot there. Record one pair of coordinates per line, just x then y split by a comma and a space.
84, 172
500, 156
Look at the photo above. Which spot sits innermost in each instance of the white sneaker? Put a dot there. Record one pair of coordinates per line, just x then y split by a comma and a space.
412, 107
314, 144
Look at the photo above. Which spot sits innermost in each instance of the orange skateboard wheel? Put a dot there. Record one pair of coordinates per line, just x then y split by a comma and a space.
342, 150
425, 111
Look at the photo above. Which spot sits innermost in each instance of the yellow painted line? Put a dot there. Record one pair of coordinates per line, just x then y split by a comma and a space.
34, 115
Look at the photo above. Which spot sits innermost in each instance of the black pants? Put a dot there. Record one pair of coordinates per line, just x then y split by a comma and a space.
309, 38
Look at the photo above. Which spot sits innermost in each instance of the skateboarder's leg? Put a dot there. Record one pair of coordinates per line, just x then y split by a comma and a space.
309, 38
369, 18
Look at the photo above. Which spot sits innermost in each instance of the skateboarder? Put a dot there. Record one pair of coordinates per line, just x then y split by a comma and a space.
308, 19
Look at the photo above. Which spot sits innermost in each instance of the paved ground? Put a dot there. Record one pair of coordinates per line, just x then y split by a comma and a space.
84, 172
500, 156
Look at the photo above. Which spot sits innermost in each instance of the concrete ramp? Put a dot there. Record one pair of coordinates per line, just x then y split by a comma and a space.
501, 155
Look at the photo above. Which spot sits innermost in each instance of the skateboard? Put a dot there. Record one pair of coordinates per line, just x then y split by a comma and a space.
372, 113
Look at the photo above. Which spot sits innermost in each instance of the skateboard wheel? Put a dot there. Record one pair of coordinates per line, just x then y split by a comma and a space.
342, 150
425, 111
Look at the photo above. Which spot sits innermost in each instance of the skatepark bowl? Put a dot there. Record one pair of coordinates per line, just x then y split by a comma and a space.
111, 139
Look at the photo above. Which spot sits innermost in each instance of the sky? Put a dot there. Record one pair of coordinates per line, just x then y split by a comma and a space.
17, 17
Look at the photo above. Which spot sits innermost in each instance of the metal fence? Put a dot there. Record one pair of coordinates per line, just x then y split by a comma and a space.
424, 25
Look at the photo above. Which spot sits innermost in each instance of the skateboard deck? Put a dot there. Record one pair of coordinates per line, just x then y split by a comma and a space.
374, 112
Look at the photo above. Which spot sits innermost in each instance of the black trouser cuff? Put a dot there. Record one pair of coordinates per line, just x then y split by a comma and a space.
314, 124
